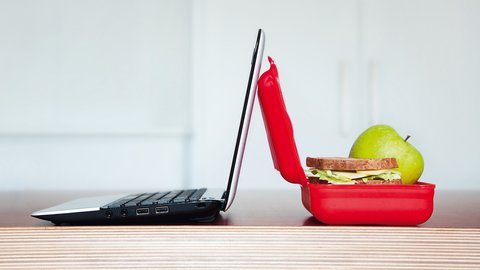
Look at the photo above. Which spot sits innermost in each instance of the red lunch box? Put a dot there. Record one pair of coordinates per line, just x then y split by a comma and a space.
390, 204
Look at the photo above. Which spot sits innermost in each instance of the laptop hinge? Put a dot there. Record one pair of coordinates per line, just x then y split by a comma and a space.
224, 201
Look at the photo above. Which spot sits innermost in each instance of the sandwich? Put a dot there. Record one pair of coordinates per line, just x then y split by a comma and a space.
352, 171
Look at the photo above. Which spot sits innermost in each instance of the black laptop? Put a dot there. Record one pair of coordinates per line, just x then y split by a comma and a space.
190, 205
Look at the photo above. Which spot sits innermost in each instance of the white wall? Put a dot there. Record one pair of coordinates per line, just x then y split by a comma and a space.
93, 94
310, 40
124, 94
426, 57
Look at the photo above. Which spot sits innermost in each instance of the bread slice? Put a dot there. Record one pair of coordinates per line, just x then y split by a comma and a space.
316, 180
379, 182
351, 164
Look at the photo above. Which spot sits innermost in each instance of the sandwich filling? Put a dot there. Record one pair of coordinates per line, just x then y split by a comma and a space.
353, 177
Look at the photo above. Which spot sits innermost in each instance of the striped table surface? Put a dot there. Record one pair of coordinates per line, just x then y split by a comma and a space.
253, 247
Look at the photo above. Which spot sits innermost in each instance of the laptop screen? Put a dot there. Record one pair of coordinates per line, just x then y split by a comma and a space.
245, 120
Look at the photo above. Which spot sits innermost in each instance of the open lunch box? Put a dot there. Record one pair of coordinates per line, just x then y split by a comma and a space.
375, 204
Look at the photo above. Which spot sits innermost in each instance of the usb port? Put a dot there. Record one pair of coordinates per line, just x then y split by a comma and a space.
161, 210
142, 211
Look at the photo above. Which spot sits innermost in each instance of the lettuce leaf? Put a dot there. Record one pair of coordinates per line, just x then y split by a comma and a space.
388, 176
334, 177
329, 176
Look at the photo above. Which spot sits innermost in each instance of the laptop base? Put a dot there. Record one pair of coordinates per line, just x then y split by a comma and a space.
203, 212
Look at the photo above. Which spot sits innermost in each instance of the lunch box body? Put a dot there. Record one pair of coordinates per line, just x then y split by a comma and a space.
388, 204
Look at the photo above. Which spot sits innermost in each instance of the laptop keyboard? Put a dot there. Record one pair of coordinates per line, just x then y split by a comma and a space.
147, 199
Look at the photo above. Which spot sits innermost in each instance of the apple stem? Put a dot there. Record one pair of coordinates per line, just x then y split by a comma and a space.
408, 137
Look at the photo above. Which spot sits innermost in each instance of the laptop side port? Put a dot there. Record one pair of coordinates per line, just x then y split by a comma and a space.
201, 205
161, 210
142, 211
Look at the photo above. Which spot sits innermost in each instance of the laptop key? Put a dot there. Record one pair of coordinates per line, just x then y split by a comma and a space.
183, 197
197, 194
138, 200
121, 201
154, 199
167, 198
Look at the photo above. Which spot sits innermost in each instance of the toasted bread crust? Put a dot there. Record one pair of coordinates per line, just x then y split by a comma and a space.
351, 164
316, 180
379, 182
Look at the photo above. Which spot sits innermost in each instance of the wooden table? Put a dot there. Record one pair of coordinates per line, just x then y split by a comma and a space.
280, 234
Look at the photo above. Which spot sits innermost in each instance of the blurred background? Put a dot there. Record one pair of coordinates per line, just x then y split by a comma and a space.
148, 94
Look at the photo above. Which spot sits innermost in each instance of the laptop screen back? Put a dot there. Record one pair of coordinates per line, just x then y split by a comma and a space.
245, 120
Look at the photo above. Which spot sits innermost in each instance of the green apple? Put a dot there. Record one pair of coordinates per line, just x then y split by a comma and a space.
382, 141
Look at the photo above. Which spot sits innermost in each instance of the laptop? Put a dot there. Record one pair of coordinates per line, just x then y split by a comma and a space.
190, 205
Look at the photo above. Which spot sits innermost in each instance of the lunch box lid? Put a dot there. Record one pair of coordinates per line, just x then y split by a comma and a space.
279, 127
